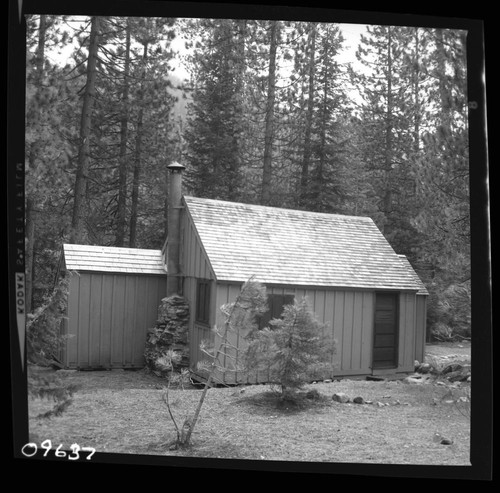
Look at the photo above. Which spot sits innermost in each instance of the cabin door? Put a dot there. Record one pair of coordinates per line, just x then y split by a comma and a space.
385, 340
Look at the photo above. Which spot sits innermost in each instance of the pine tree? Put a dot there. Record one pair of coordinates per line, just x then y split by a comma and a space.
388, 137
212, 138
294, 349
47, 182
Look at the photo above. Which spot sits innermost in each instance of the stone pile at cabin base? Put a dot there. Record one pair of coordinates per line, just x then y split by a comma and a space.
169, 333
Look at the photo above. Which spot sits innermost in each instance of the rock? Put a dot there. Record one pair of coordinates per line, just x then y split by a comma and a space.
169, 334
458, 376
446, 441
313, 395
453, 367
437, 437
358, 400
415, 379
424, 368
341, 397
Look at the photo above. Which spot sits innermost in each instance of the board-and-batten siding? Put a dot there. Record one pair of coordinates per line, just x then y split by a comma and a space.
195, 265
420, 327
108, 319
349, 319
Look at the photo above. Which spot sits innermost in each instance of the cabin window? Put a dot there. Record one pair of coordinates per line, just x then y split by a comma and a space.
275, 303
203, 302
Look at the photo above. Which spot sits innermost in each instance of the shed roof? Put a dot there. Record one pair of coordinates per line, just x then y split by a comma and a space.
285, 246
113, 259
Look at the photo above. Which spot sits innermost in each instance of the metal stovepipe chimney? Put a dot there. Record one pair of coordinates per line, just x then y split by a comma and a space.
174, 227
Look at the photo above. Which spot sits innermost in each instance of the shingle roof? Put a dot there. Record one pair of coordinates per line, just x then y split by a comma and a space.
285, 246
113, 259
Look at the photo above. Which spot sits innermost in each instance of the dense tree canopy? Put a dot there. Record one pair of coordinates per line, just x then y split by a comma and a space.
268, 114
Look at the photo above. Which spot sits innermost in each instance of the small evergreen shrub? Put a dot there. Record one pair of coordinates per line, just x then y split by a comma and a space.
49, 386
294, 349
43, 333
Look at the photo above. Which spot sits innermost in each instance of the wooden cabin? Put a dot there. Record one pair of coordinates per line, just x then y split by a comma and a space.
370, 298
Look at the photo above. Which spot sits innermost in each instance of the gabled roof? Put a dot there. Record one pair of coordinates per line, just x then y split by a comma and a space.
284, 246
113, 259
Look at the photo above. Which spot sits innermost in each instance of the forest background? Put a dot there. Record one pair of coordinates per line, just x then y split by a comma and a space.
266, 112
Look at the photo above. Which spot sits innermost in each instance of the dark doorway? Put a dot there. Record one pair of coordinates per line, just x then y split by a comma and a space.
385, 340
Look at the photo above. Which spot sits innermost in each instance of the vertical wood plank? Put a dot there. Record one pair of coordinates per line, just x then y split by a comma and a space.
191, 271
232, 360
347, 332
338, 327
197, 263
367, 330
106, 320
118, 315
310, 295
319, 305
95, 298
420, 328
83, 359
73, 320
409, 360
401, 330
146, 287
186, 245
329, 319
129, 326
356, 331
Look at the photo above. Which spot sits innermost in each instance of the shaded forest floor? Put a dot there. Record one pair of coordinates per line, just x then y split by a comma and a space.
399, 423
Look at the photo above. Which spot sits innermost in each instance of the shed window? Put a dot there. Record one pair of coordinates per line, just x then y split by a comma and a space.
203, 302
276, 303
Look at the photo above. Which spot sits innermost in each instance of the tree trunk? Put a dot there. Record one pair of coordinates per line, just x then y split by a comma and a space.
387, 200
269, 133
416, 110
85, 127
444, 93
138, 156
123, 171
416, 95
306, 159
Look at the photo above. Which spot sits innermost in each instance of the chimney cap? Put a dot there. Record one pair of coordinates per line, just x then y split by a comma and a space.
176, 167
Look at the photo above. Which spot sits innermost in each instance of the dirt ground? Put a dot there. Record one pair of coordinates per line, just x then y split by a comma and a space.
136, 379
123, 412
452, 352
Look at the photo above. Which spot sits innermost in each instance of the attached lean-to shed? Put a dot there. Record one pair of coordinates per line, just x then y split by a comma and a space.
370, 297
113, 299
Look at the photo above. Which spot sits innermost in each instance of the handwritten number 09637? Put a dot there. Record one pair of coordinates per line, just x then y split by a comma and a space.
47, 446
